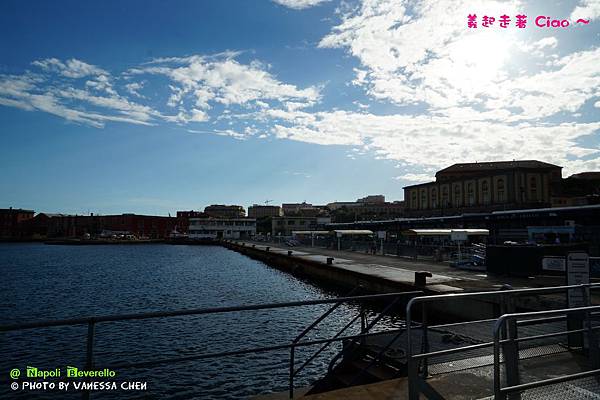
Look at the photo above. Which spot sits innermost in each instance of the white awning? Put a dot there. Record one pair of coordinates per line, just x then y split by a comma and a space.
447, 232
353, 232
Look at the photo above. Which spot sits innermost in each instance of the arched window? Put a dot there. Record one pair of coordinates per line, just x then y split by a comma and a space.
470, 194
533, 187
424, 199
501, 189
485, 192
434, 198
445, 199
457, 196
415, 203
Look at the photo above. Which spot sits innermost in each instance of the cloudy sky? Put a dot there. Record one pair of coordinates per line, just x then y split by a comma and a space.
151, 106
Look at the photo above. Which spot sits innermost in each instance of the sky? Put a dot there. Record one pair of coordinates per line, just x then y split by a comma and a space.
152, 107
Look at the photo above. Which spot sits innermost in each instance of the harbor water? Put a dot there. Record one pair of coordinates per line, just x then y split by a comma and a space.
43, 282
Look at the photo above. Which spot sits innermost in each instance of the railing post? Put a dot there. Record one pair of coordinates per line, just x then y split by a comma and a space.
511, 351
497, 380
425, 339
89, 358
413, 372
292, 354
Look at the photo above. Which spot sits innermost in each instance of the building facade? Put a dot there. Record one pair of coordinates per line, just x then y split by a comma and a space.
225, 211
262, 211
283, 226
484, 187
183, 219
141, 226
222, 228
11, 220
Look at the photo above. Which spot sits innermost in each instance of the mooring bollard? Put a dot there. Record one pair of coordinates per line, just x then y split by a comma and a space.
267, 248
330, 260
421, 277
253, 246
290, 252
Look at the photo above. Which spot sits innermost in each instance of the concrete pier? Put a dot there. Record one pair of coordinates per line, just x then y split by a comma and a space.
383, 274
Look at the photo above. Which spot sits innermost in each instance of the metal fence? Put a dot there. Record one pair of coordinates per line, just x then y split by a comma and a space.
366, 330
490, 334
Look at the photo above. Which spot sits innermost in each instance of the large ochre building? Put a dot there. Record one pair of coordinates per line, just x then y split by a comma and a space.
484, 187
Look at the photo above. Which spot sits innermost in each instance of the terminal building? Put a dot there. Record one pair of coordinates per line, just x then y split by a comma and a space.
221, 228
484, 187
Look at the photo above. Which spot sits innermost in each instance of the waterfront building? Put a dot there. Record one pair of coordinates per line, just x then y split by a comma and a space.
483, 187
225, 211
578, 190
285, 225
367, 208
222, 228
141, 226
10, 221
262, 211
183, 219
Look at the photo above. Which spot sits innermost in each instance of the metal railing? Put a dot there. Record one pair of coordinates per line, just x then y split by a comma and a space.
91, 323
418, 363
511, 346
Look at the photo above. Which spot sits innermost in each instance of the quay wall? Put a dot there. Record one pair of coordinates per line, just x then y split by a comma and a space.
331, 275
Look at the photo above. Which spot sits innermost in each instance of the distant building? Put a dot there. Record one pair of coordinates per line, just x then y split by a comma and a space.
578, 190
10, 220
141, 226
183, 219
300, 209
222, 228
483, 187
225, 211
373, 199
283, 226
262, 211
367, 208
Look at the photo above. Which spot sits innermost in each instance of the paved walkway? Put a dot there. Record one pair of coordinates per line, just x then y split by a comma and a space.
445, 277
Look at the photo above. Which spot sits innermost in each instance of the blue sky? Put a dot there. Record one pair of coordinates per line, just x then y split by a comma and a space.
152, 107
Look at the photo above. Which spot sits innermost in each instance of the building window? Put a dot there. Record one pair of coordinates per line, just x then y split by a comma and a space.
415, 204
424, 199
485, 192
501, 190
457, 196
470, 194
445, 201
433, 198
533, 186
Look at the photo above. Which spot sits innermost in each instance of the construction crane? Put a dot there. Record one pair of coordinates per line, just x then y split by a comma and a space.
267, 202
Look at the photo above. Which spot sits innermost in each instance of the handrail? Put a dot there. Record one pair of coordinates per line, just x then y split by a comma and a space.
293, 372
499, 391
411, 358
93, 320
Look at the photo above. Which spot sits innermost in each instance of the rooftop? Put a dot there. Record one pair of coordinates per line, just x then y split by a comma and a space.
495, 165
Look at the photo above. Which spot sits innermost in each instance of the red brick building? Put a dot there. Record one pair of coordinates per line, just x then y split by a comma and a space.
142, 226
10, 221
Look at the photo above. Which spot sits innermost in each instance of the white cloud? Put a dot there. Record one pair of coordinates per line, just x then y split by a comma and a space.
72, 68
415, 177
134, 88
299, 4
435, 142
586, 9
221, 79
